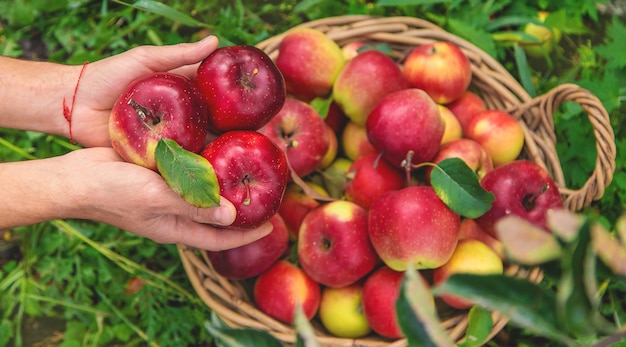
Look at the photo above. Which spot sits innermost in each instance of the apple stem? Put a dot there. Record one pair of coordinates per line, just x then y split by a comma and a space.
407, 164
143, 113
529, 200
246, 183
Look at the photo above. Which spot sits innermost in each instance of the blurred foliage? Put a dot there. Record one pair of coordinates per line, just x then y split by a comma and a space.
112, 288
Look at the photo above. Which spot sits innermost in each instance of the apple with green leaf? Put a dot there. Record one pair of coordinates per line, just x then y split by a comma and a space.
162, 105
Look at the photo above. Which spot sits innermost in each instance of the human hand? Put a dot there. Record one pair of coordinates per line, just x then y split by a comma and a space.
136, 199
103, 81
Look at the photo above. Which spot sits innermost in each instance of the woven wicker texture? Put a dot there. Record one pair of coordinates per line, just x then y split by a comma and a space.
499, 90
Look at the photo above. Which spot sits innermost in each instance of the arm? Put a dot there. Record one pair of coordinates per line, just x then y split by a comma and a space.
96, 184
33, 92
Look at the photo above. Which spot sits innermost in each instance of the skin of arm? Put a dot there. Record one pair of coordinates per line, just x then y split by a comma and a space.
95, 183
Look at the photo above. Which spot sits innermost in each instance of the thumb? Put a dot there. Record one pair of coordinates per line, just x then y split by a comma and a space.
178, 58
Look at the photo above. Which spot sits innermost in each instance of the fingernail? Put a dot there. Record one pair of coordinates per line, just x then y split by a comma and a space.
223, 215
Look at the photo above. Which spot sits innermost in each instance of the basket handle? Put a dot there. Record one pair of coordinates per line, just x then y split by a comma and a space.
541, 140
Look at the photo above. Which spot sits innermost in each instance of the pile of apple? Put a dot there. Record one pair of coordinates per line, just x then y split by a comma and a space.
335, 146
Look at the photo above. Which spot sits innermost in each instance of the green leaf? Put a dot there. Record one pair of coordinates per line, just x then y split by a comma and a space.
409, 2
164, 10
457, 185
523, 70
188, 174
322, 105
509, 21
526, 304
305, 336
480, 324
417, 315
244, 337
614, 48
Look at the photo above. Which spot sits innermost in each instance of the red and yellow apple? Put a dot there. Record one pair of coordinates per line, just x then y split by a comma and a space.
333, 244
499, 133
470, 151
301, 133
405, 121
282, 287
413, 226
310, 62
439, 68
363, 81
369, 177
354, 141
161, 105
453, 128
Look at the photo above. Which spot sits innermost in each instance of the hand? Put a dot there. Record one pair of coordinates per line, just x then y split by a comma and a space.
137, 199
103, 82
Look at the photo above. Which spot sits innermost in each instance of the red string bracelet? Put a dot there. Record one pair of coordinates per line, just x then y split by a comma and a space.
67, 112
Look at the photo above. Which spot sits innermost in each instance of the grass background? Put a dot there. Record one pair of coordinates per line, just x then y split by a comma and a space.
79, 283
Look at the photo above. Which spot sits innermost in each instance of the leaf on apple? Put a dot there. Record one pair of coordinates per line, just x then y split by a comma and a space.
457, 185
526, 243
188, 174
479, 326
417, 315
305, 336
243, 337
322, 105
526, 304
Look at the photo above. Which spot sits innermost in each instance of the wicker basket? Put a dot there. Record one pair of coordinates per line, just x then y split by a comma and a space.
499, 90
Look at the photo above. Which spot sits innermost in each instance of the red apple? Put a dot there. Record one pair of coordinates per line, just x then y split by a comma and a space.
465, 107
439, 68
252, 173
242, 86
363, 81
404, 121
294, 207
369, 177
278, 290
301, 133
253, 258
335, 118
381, 290
470, 151
354, 141
522, 188
413, 226
161, 105
470, 257
310, 62
333, 244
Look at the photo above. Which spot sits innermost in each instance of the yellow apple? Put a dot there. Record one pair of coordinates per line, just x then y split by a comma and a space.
341, 313
453, 129
471, 256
